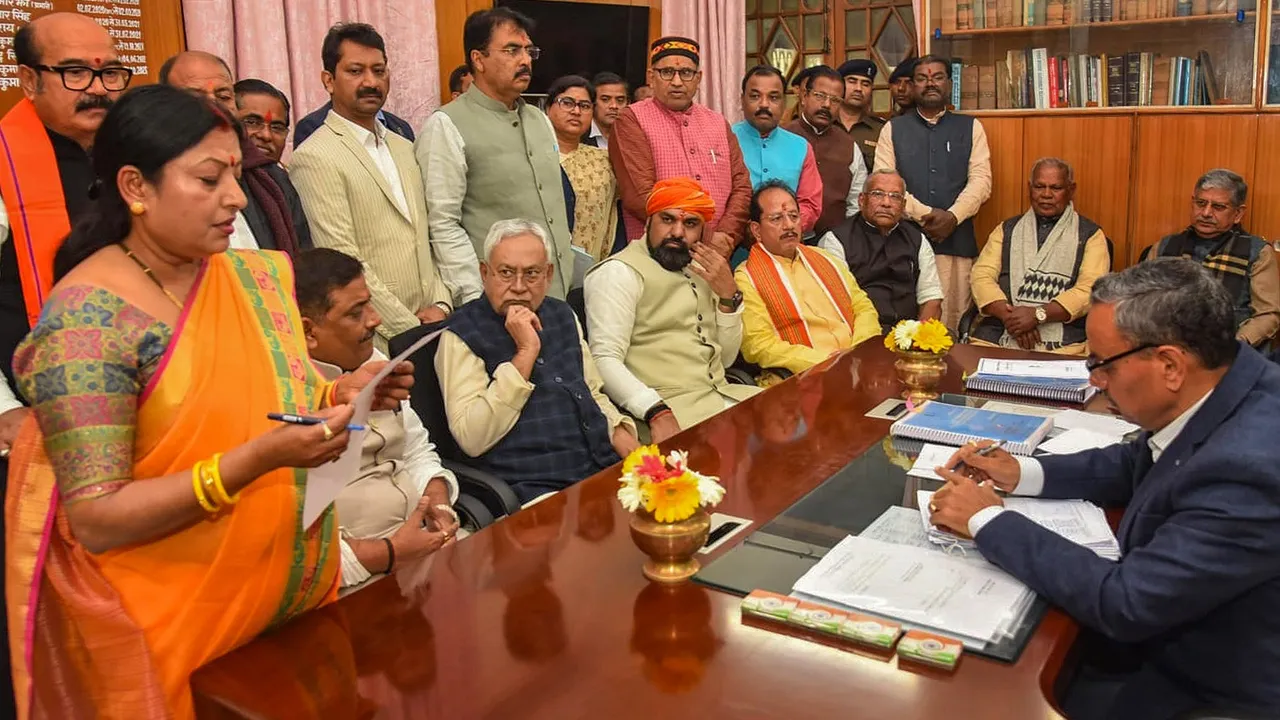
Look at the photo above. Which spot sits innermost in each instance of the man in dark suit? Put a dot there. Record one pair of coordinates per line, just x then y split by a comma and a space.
1191, 604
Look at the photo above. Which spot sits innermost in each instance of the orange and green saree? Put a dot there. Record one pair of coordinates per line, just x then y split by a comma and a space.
117, 635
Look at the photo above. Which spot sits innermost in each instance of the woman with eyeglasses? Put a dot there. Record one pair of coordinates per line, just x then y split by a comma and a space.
570, 104
155, 519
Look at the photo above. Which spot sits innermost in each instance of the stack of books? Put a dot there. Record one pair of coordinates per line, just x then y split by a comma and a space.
959, 16
944, 424
1059, 380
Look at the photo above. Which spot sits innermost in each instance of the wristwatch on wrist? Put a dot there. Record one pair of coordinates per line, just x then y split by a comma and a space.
732, 303
1041, 315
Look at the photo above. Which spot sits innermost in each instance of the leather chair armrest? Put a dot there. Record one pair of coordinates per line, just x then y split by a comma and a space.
491, 490
472, 512
738, 376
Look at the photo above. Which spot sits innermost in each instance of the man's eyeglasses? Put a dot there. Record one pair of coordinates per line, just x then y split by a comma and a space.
80, 77
1095, 364
894, 197
531, 275
513, 51
567, 104
253, 123
825, 99
667, 73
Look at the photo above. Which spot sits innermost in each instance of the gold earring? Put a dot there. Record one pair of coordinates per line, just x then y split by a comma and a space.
137, 208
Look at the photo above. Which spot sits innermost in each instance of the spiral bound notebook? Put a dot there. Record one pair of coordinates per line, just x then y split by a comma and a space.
1060, 380
955, 425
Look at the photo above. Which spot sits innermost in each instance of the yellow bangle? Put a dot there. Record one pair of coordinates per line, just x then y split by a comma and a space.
213, 473
201, 498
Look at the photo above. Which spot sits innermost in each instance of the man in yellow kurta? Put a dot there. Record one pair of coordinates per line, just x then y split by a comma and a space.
802, 305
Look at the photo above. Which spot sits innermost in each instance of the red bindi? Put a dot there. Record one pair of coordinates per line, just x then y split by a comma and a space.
268, 116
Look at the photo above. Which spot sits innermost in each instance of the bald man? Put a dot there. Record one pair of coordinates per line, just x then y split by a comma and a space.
44, 182
273, 219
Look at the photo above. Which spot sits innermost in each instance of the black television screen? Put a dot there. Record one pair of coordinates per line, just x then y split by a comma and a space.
582, 38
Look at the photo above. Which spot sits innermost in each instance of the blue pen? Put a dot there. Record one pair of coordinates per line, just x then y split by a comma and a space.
304, 420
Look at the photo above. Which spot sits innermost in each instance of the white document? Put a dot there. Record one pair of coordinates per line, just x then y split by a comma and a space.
918, 586
931, 456
1081, 522
1097, 422
324, 483
1021, 409
1074, 441
899, 526
1061, 369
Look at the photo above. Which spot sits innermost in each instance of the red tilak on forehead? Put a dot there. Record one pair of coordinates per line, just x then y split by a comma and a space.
232, 161
97, 61
269, 117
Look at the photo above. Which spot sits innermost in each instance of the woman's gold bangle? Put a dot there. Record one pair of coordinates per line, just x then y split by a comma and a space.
197, 484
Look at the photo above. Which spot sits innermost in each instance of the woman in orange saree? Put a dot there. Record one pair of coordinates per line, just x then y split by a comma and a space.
157, 357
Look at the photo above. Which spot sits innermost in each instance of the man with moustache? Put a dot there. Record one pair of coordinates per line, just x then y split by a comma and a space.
611, 97
398, 507
671, 136
833, 148
854, 115
1244, 263
944, 159
313, 120
273, 218
664, 317
1033, 278
772, 153
264, 113
489, 156
70, 75
888, 255
521, 391
802, 306
1183, 624
362, 189
901, 88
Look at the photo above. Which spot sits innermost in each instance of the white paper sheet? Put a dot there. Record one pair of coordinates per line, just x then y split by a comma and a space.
1074, 441
931, 456
1079, 521
919, 586
1105, 424
1063, 369
1020, 409
324, 483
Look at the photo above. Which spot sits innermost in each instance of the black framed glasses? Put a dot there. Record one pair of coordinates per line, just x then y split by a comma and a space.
668, 73
567, 104
1094, 364
79, 77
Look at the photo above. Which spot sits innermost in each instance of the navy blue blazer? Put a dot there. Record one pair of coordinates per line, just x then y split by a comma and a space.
315, 119
1196, 593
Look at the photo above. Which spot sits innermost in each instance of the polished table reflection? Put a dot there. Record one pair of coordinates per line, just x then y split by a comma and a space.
546, 614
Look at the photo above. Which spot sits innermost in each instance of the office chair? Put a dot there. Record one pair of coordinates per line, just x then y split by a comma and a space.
488, 497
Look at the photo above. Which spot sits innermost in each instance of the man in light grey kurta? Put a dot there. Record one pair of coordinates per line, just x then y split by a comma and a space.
489, 156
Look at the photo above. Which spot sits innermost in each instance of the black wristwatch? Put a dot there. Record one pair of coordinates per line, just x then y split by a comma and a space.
654, 411
731, 304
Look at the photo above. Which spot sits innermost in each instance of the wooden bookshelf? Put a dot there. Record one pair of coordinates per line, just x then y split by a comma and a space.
1031, 29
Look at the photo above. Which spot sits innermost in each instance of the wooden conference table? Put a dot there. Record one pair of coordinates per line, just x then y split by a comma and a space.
546, 614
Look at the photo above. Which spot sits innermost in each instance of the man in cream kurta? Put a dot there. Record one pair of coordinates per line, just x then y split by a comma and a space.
802, 305
664, 318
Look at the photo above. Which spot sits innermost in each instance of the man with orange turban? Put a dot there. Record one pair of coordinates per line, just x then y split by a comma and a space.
664, 318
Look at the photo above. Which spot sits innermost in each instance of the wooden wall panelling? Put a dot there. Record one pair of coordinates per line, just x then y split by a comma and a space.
451, 16
1008, 191
1263, 217
1171, 152
1099, 148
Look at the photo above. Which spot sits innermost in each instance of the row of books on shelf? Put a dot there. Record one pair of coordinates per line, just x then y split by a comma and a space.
1033, 79
965, 15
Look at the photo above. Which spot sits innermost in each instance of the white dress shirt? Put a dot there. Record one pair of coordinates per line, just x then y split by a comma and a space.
928, 285
858, 170
242, 235
1031, 479
375, 143
611, 294
602, 140
8, 398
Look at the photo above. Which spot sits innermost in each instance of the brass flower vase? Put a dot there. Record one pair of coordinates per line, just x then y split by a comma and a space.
921, 372
670, 546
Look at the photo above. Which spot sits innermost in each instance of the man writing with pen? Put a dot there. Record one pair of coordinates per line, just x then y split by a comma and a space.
1185, 621
398, 507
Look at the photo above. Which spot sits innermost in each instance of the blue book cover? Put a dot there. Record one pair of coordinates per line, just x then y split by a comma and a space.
957, 425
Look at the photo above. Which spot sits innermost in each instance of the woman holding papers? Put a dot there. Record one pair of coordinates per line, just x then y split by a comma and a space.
154, 516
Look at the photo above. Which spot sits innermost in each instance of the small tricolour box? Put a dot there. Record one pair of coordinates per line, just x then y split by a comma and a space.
769, 605
870, 631
930, 649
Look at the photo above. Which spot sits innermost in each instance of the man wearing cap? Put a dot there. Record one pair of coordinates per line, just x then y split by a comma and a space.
900, 86
854, 115
670, 136
664, 317
833, 148
772, 153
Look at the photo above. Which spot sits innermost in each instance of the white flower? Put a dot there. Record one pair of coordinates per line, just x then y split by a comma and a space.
678, 460
709, 491
631, 497
905, 333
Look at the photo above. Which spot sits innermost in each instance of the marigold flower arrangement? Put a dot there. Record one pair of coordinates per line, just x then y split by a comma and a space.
913, 335
666, 486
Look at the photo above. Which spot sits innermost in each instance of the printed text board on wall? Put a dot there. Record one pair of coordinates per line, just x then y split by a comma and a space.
147, 32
